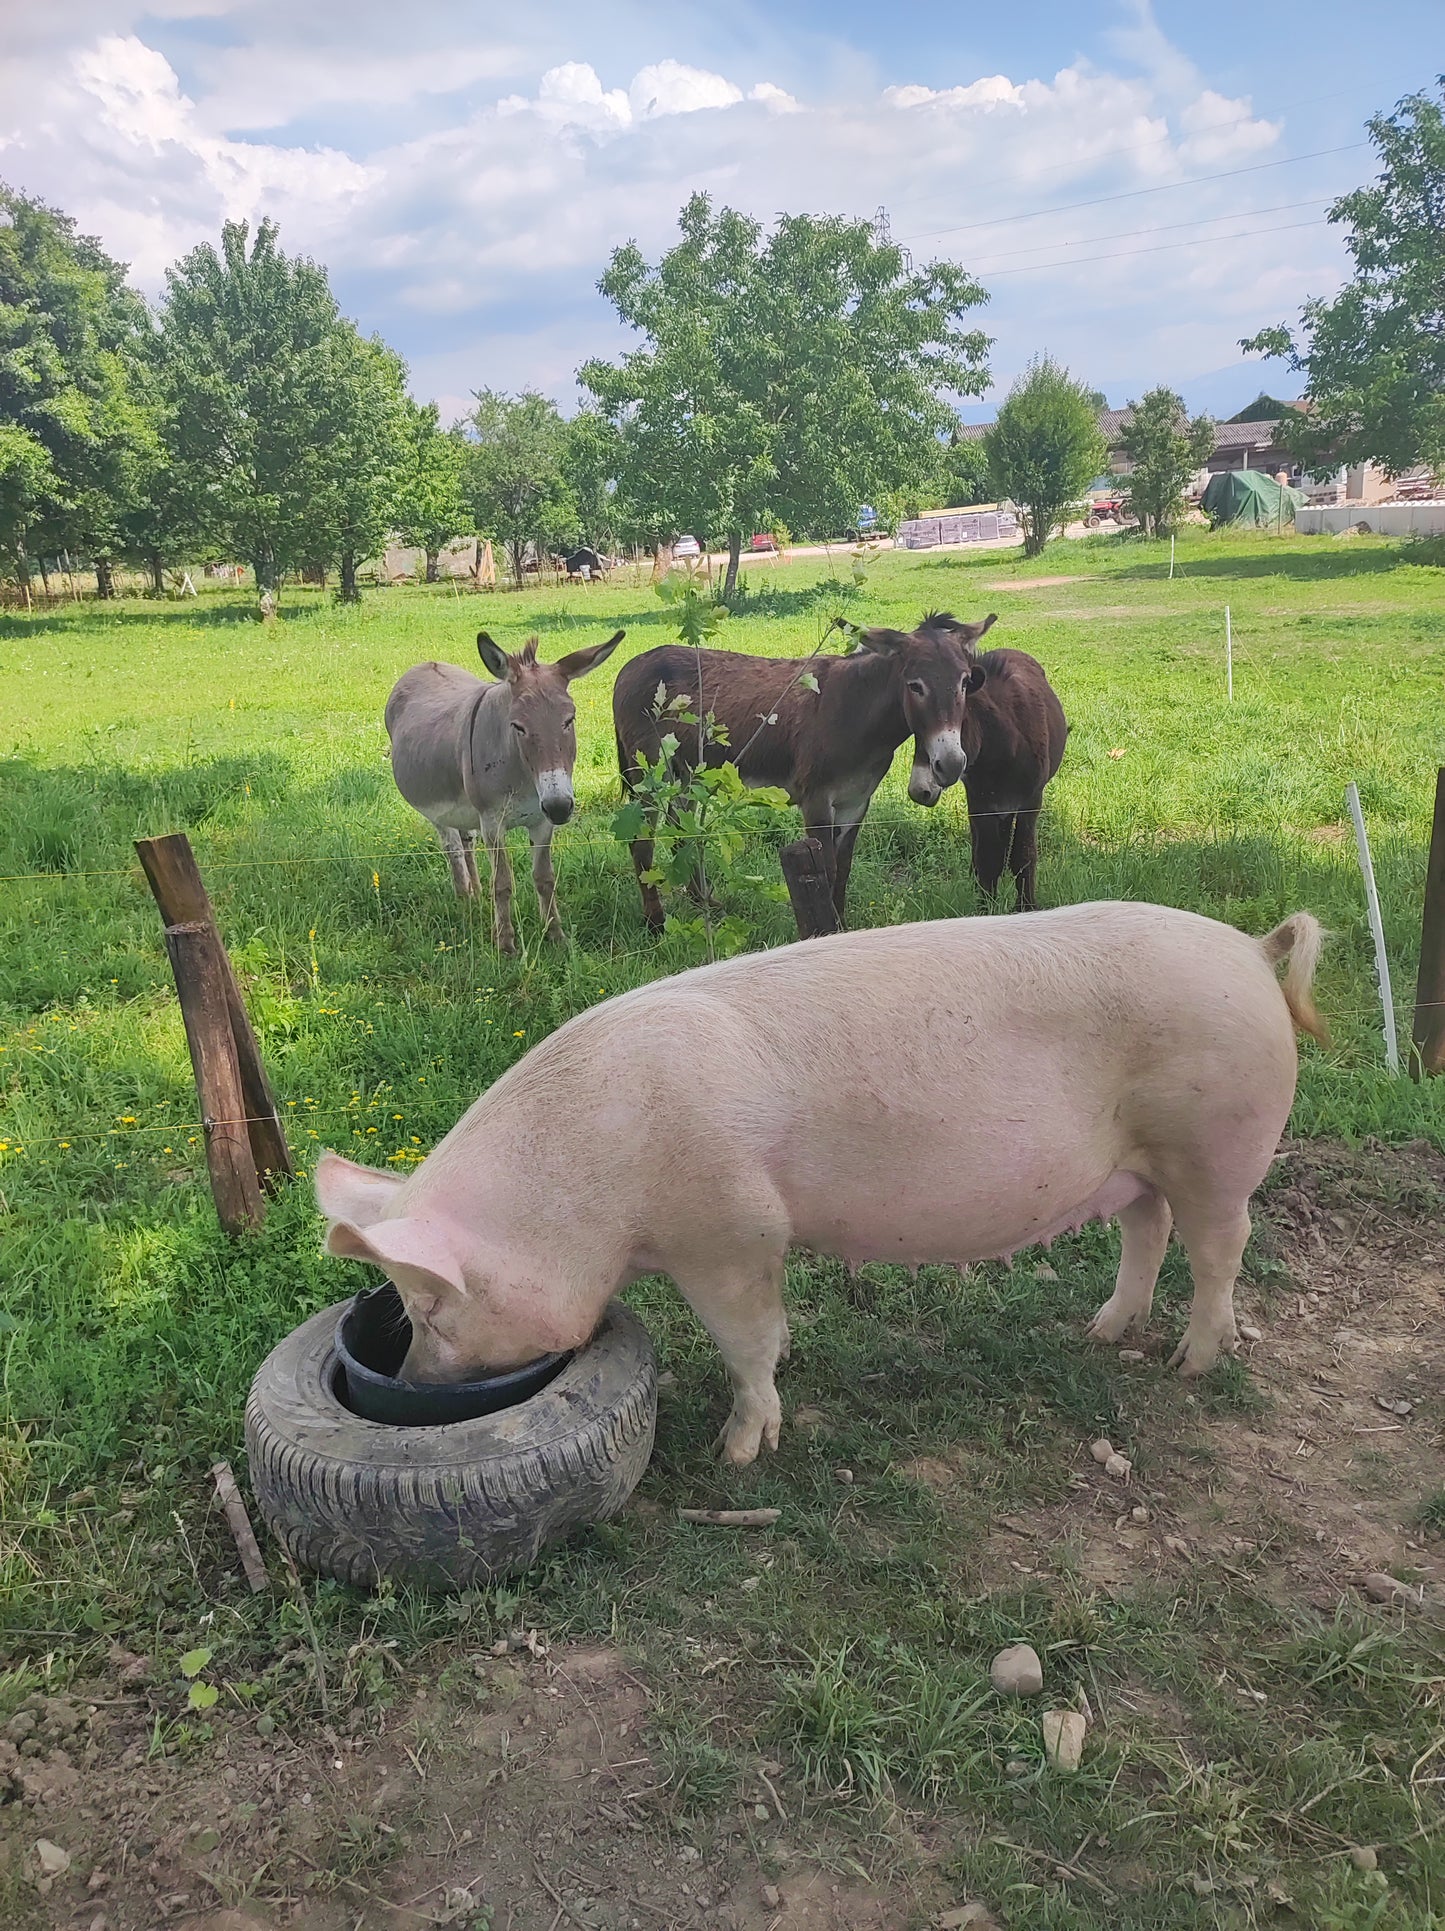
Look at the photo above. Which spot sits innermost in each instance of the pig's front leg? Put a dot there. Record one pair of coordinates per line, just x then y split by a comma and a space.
742, 1309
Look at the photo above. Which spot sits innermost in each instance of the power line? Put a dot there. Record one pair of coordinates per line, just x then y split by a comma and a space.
1162, 228
1132, 194
1127, 254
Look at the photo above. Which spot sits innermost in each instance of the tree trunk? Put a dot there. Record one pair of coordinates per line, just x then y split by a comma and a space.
432, 557
348, 592
44, 574
730, 581
518, 552
104, 578
158, 574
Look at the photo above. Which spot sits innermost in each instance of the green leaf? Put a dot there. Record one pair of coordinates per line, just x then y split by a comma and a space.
194, 1661
808, 682
629, 823
202, 1696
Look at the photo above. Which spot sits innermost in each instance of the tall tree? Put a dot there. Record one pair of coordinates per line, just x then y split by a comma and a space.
515, 478
1373, 359
591, 460
259, 418
963, 472
1045, 448
783, 378
356, 506
78, 415
1166, 449
432, 506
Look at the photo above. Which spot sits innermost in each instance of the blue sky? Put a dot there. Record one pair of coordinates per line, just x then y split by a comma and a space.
1122, 177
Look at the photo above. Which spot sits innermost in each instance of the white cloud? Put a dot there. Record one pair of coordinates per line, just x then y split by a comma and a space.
466, 196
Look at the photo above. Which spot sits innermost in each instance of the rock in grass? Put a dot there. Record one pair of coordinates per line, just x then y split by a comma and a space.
1017, 1671
1118, 1467
53, 1861
967, 1917
1064, 1732
1101, 1450
1363, 1857
1382, 1588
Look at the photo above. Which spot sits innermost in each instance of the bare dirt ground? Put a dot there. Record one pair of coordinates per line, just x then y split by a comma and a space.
518, 1791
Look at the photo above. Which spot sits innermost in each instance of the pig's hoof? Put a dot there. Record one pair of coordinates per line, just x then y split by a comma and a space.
1197, 1354
745, 1435
1113, 1322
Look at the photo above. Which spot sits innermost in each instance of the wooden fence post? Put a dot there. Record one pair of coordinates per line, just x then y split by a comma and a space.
197, 962
1429, 1028
175, 879
809, 888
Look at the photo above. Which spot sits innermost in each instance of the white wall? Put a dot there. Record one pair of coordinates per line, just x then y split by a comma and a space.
1387, 519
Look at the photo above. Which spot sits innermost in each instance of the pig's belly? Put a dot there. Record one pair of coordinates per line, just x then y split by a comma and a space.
902, 1223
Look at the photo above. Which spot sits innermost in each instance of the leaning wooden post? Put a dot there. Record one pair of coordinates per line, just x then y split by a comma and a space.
175, 879
809, 888
1429, 1029
198, 964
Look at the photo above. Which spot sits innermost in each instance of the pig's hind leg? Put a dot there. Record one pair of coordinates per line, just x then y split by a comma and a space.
1214, 1234
1145, 1226
741, 1306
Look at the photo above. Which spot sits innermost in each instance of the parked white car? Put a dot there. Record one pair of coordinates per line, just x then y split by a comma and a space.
687, 546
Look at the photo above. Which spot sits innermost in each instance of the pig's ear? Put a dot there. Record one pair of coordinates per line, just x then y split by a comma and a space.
424, 1250
345, 1191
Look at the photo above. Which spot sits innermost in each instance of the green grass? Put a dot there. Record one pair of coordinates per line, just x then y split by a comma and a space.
130, 1327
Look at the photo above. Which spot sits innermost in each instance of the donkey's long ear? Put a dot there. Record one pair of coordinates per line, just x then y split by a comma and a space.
972, 632
577, 663
884, 642
493, 656
345, 1191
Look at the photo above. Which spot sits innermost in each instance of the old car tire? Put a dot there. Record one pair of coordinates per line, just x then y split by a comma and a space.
449, 1506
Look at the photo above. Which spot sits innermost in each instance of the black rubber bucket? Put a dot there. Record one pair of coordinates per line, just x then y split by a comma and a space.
372, 1338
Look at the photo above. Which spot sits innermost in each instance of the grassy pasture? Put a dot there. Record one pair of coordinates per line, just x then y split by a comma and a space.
130, 1327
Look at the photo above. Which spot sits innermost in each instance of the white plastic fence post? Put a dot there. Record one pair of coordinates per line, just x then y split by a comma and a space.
1171, 559
1228, 654
1377, 929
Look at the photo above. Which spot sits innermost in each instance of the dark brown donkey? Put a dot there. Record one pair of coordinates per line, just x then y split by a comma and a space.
1013, 738
829, 749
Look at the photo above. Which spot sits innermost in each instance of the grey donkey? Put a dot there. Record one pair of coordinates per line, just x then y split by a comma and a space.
477, 757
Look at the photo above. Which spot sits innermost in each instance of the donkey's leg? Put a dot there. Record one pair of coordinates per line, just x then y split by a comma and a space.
1145, 1223
1024, 857
544, 880
494, 837
990, 835
469, 856
451, 843
845, 837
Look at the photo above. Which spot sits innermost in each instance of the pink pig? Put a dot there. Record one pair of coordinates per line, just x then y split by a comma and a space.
937, 1092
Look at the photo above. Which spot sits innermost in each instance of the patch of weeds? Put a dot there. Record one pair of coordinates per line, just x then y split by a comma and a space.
700, 1775
1431, 1513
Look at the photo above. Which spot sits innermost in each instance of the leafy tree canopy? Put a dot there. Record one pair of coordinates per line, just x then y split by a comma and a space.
432, 507
1373, 358
1166, 449
253, 357
784, 378
516, 479
1265, 408
1045, 448
79, 429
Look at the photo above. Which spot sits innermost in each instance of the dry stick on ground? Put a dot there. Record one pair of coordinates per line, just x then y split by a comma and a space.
732, 1518
240, 1526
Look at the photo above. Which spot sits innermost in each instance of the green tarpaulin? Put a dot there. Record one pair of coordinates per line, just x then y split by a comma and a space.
1249, 496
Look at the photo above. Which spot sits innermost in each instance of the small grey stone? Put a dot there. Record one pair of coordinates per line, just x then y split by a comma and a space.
1017, 1671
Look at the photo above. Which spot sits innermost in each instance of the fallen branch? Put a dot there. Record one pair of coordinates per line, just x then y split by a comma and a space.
239, 1522
732, 1518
